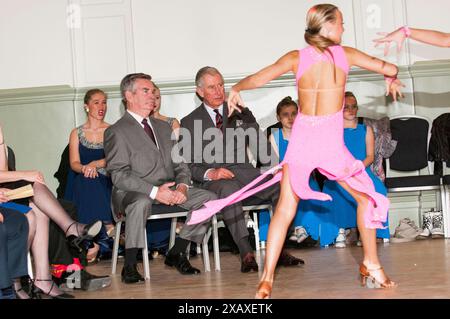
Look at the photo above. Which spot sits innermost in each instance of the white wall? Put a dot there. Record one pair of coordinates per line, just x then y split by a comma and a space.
432, 14
35, 44
172, 39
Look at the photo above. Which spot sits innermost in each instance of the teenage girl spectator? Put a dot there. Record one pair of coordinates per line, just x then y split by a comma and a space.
88, 186
360, 141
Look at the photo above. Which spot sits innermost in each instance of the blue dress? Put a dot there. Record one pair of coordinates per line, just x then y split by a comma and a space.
91, 196
343, 206
17, 207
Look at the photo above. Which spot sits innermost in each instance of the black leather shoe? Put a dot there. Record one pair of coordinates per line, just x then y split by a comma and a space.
130, 274
287, 260
182, 264
249, 263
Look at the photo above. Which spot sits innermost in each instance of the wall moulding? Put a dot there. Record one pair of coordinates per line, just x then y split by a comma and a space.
67, 93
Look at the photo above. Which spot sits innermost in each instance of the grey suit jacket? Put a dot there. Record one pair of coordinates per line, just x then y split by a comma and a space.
135, 163
198, 165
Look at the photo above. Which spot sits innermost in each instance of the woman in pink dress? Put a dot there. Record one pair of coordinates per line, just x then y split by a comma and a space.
317, 141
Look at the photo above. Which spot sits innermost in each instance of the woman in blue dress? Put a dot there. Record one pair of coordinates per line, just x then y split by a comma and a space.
360, 141
88, 185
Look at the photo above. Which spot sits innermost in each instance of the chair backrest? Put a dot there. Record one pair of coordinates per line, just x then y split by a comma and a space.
11, 160
412, 134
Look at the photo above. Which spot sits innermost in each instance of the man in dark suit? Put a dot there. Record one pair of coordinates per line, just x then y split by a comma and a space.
138, 156
227, 168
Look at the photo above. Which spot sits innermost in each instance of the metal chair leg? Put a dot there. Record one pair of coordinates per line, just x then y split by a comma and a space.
116, 248
446, 209
173, 232
206, 261
215, 234
145, 257
256, 230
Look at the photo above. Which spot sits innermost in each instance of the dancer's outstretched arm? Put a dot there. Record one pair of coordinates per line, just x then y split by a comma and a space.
283, 65
389, 70
436, 38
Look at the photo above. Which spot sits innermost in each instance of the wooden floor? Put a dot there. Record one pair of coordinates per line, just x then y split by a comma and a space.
422, 269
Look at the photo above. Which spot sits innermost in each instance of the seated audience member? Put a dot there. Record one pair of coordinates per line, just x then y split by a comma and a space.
44, 206
89, 187
13, 248
158, 231
138, 156
173, 122
224, 173
360, 141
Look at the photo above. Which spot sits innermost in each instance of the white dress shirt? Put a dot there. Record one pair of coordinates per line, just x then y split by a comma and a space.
212, 114
139, 119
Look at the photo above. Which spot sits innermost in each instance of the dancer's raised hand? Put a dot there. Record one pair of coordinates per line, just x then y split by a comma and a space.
234, 101
398, 36
393, 87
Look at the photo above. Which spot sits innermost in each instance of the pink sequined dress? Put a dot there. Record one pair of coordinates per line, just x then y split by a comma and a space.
317, 142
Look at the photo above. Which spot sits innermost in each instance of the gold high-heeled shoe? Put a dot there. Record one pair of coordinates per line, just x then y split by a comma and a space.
264, 290
369, 281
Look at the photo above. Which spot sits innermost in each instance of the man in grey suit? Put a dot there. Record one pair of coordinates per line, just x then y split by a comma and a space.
229, 168
138, 156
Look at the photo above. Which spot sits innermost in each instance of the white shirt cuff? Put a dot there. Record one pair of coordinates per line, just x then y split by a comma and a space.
154, 192
205, 177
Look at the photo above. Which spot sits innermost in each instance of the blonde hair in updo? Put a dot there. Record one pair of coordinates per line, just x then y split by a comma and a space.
316, 18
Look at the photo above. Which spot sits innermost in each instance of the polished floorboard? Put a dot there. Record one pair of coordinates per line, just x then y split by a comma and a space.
421, 268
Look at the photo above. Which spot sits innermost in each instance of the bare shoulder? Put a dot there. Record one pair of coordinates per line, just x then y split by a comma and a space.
74, 133
289, 61
350, 52
369, 131
291, 55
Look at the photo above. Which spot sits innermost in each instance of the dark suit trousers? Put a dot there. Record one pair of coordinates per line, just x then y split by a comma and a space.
232, 215
13, 247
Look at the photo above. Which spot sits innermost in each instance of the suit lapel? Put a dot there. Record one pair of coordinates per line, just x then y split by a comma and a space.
139, 131
157, 134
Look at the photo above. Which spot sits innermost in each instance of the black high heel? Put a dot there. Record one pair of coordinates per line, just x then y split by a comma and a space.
89, 232
26, 286
38, 293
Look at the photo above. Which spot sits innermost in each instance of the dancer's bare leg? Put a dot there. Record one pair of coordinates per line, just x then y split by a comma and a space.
279, 224
368, 236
